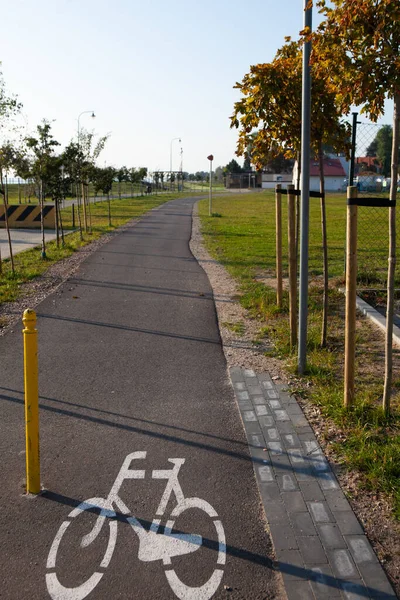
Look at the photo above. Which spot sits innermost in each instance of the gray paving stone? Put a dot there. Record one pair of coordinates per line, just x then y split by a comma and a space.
272, 434
308, 436
261, 410
240, 386
281, 463
294, 502
285, 426
337, 500
299, 590
348, 523
249, 373
312, 550
254, 390
327, 481
302, 524
319, 462
281, 415
287, 482
245, 406
259, 455
291, 565
302, 429
283, 536
258, 400
257, 440
243, 395
304, 473
342, 564
272, 394
249, 415
275, 512
299, 420
266, 421
320, 512
236, 374
294, 409
252, 427
275, 404
251, 382
275, 448
311, 491
361, 550
324, 584
296, 457
267, 385
291, 440
376, 582
269, 492
354, 590
331, 536
265, 473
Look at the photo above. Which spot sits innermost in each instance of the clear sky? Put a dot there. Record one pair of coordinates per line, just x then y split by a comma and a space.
151, 71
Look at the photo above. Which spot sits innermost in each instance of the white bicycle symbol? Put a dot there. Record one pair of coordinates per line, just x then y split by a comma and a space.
152, 545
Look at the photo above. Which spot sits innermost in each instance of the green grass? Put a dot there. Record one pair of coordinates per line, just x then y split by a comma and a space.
29, 264
243, 240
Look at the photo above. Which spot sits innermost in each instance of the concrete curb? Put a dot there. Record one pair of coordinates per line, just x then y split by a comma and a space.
379, 320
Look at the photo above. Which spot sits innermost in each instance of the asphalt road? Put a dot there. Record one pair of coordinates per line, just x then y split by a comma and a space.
22, 239
131, 362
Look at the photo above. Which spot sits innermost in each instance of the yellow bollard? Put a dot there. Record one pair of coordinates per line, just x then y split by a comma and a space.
31, 378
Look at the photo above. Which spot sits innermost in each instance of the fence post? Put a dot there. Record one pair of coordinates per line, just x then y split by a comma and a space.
351, 293
278, 220
292, 265
31, 379
73, 215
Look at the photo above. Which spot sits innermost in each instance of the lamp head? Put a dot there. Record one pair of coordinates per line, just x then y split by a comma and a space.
93, 115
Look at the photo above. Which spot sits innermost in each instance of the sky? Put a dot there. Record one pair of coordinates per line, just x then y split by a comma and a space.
151, 71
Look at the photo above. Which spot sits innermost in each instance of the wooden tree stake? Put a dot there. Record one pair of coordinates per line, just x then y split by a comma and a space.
351, 293
278, 215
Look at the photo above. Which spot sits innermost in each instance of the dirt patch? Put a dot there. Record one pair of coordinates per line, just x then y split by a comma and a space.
372, 509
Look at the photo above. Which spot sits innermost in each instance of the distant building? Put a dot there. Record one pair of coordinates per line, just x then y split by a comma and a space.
245, 179
336, 171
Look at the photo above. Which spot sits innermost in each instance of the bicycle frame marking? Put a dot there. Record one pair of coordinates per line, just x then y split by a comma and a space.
153, 546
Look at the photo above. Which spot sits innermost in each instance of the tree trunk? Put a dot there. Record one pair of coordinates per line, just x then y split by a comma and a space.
41, 200
392, 260
85, 223
5, 191
109, 211
89, 209
324, 246
78, 210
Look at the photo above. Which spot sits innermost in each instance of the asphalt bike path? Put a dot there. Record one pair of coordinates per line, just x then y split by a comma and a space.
149, 485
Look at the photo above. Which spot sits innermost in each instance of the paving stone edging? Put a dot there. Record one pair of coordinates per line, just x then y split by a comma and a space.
321, 549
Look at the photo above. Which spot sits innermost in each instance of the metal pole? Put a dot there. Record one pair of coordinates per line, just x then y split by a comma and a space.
210, 198
31, 385
305, 189
353, 149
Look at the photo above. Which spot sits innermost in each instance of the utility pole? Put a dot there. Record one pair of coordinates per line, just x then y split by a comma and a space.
305, 190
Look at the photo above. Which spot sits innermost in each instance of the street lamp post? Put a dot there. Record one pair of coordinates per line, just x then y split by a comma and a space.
210, 158
170, 160
85, 112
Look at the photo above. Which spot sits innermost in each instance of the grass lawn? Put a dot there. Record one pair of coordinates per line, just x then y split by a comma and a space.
29, 264
243, 240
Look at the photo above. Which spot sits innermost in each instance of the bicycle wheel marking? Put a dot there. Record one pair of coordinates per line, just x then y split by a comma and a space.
153, 545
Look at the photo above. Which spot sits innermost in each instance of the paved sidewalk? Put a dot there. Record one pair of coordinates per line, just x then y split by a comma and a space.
320, 545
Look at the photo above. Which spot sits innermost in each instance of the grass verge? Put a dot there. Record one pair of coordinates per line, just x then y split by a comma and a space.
243, 240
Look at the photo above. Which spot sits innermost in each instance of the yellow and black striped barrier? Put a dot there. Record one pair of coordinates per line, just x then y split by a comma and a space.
28, 216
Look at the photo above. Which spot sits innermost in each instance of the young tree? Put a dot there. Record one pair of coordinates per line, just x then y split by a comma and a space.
91, 150
269, 117
357, 50
42, 165
381, 147
9, 107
